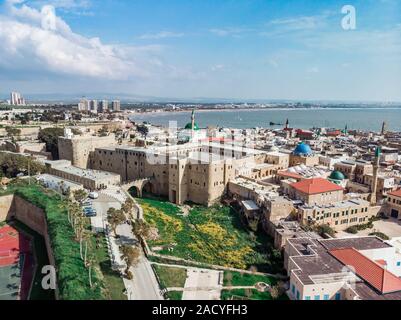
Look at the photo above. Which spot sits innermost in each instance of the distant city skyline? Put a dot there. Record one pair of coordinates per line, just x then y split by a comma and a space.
240, 50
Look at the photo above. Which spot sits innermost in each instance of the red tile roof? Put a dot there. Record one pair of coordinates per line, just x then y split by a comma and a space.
315, 186
381, 262
368, 270
396, 193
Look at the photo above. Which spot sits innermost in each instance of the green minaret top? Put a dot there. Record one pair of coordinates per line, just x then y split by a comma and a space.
378, 152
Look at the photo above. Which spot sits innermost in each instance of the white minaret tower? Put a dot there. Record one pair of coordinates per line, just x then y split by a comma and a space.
376, 165
193, 125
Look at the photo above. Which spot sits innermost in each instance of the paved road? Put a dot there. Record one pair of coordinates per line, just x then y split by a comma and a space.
144, 285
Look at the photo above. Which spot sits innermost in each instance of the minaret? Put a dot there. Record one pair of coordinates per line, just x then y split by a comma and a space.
346, 129
384, 128
287, 123
376, 165
193, 124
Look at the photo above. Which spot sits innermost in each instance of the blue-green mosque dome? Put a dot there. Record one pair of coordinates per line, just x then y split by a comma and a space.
337, 175
303, 150
188, 126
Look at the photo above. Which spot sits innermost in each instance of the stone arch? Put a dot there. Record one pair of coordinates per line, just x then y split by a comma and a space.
140, 185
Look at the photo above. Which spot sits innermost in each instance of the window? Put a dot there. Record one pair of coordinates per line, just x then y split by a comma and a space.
338, 296
326, 297
317, 297
399, 264
297, 295
307, 297
293, 289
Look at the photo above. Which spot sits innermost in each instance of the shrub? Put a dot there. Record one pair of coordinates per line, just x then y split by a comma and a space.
324, 229
381, 235
353, 230
129, 275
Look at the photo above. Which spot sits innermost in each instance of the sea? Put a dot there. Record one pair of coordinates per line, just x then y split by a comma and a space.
354, 118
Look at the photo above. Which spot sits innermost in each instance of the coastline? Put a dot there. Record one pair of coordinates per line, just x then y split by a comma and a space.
165, 112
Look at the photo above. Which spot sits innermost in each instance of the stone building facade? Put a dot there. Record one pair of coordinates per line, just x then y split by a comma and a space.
78, 149
195, 172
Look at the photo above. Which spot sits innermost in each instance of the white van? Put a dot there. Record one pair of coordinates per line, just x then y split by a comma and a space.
93, 195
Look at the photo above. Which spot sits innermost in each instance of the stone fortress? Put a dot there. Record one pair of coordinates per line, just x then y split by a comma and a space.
271, 186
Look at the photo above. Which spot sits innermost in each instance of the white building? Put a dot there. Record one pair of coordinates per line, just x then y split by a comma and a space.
17, 99
116, 105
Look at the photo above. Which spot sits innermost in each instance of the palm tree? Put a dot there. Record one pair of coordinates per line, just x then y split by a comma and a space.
90, 263
80, 195
130, 255
86, 236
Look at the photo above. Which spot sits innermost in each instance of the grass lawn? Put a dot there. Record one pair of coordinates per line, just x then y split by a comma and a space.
243, 279
114, 285
212, 235
247, 294
174, 295
171, 277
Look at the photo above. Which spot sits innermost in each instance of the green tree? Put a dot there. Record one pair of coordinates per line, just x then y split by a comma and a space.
324, 229
104, 131
115, 218
50, 136
141, 229
13, 164
80, 195
130, 255
127, 206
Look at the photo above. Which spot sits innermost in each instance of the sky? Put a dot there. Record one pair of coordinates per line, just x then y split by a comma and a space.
233, 49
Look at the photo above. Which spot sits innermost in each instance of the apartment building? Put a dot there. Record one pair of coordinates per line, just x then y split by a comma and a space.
360, 268
392, 207
338, 215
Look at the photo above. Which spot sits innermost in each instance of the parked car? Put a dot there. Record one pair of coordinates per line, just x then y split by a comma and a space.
90, 214
93, 195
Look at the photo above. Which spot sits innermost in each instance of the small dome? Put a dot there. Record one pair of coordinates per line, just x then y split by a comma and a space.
336, 175
303, 150
188, 126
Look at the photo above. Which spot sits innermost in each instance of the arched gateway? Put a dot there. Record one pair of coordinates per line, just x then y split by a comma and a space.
140, 185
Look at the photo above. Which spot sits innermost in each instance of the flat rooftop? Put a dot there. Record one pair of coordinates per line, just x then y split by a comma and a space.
55, 180
85, 173
340, 204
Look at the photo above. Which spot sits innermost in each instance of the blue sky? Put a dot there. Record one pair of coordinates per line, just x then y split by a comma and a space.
244, 49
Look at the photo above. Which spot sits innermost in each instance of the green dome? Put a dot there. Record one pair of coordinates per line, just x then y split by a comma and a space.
189, 126
336, 175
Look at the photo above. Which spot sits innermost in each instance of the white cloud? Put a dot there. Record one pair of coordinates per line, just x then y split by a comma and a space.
313, 70
65, 4
224, 32
299, 23
161, 35
27, 46
217, 67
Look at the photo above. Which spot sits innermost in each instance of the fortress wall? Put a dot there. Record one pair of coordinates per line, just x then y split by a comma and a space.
6, 207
